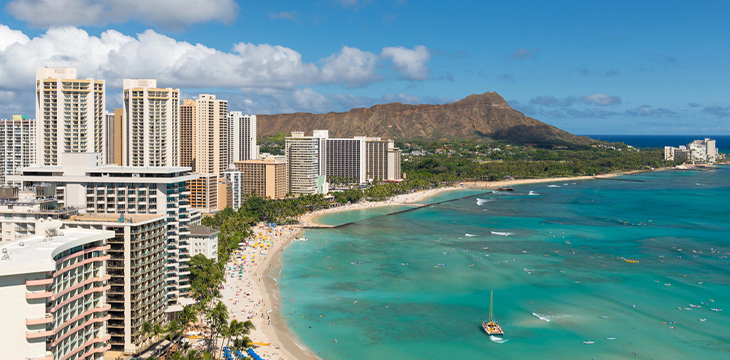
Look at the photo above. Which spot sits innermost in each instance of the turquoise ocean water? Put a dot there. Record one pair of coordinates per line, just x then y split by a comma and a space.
375, 286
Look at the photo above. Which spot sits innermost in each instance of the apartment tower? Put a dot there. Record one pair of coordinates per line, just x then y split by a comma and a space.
69, 115
187, 133
17, 145
151, 124
114, 137
242, 129
383, 159
211, 135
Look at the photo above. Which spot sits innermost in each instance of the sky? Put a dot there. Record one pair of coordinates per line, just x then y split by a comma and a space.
588, 67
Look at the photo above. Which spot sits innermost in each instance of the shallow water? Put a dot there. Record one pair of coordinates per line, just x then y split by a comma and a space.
408, 307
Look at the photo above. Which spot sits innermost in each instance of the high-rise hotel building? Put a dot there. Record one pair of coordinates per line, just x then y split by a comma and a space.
306, 162
383, 160
211, 135
187, 133
243, 136
151, 124
69, 115
17, 144
345, 159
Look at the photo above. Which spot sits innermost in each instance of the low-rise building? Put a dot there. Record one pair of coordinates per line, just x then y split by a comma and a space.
52, 287
203, 241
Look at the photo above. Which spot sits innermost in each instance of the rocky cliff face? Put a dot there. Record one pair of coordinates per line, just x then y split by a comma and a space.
477, 117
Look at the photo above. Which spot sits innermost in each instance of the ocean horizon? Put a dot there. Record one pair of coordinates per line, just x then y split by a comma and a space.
416, 285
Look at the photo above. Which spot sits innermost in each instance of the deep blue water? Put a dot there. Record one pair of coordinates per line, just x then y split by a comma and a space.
660, 141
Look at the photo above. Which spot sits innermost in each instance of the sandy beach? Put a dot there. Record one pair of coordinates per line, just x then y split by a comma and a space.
250, 293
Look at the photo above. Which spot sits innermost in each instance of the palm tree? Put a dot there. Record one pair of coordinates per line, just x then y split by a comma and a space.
187, 316
194, 355
217, 316
173, 329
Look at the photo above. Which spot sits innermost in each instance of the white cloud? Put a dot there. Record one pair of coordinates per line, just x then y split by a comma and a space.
166, 13
277, 75
601, 99
411, 64
352, 66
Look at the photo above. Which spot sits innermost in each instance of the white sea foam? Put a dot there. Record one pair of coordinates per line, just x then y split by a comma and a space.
469, 235
532, 193
551, 317
541, 317
502, 233
497, 339
481, 202
553, 185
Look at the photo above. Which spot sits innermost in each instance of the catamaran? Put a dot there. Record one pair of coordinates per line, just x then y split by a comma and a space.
492, 327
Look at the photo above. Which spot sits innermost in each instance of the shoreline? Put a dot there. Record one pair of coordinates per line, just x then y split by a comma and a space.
262, 298
310, 218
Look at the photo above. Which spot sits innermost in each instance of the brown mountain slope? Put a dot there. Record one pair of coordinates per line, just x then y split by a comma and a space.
477, 117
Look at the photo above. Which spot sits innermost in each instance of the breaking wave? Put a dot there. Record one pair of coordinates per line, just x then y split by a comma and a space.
502, 233
481, 202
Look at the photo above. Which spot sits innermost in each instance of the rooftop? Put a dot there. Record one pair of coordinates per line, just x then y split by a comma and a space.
114, 218
201, 230
35, 253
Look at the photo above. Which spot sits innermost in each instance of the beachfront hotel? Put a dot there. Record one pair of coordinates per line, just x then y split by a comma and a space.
84, 183
346, 159
137, 274
17, 144
266, 178
383, 160
698, 151
306, 163
243, 136
151, 124
69, 115
204, 193
52, 288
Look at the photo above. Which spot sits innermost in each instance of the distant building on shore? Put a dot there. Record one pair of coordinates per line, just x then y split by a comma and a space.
305, 163
698, 151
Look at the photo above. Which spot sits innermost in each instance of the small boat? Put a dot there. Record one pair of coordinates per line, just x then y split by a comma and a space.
492, 327
703, 319
603, 317
672, 327
589, 342
631, 261
695, 306
716, 309
610, 338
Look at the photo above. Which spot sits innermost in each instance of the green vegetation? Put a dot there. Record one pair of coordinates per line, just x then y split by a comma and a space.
273, 145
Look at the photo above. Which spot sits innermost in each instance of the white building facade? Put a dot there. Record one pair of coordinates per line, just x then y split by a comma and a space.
53, 288
69, 115
235, 176
17, 145
243, 136
203, 241
306, 162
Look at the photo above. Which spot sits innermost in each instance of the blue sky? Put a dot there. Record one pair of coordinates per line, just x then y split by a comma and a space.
616, 67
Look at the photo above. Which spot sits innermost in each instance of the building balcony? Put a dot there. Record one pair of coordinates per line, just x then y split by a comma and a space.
38, 282
38, 295
44, 320
38, 334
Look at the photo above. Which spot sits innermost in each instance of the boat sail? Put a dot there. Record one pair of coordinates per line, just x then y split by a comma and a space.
492, 327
